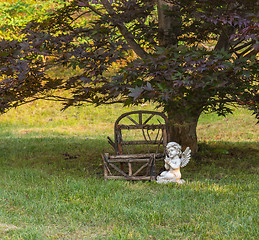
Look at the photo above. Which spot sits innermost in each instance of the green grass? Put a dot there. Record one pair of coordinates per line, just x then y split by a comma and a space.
51, 184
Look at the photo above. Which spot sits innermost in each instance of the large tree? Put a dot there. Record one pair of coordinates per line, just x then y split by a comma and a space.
188, 56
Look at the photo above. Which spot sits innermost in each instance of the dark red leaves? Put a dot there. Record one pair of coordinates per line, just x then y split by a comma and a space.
105, 70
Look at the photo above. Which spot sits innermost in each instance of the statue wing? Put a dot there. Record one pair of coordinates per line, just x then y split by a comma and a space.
186, 156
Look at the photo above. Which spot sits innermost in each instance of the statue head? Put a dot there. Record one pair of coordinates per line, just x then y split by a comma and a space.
173, 149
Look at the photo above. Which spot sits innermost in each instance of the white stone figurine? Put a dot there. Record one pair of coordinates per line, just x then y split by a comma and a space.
174, 160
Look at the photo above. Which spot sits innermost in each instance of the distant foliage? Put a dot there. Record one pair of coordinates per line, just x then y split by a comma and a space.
14, 15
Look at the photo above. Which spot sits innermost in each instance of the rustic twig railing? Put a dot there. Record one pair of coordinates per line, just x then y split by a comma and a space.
150, 136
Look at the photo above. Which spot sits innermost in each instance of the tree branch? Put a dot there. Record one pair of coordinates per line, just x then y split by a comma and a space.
223, 41
94, 10
252, 53
246, 51
124, 31
80, 15
243, 46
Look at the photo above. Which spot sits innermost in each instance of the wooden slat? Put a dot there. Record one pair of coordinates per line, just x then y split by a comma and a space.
151, 127
140, 169
105, 167
112, 143
141, 142
130, 169
140, 118
140, 160
142, 112
130, 178
152, 115
129, 160
118, 170
132, 120
132, 156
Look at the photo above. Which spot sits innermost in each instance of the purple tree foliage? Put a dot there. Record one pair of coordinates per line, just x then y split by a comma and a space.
189, 56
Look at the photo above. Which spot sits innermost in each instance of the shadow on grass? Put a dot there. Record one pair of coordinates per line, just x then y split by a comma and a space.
225, 153
216, 160
73, 155
80, 157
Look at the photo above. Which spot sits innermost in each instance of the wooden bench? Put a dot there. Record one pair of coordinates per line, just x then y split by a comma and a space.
140, 138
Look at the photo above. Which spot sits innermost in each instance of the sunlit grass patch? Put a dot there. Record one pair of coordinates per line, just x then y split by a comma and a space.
239, 127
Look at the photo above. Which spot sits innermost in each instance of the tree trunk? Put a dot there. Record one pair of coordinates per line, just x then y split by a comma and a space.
183, 118
182, 129
169, 24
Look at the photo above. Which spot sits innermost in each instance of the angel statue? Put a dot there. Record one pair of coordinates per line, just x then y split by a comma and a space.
174, 160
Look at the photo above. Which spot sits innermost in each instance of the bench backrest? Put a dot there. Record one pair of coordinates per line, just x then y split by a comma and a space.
142, 130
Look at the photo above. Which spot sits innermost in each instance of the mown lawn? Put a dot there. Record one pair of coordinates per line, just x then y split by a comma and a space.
51, 184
